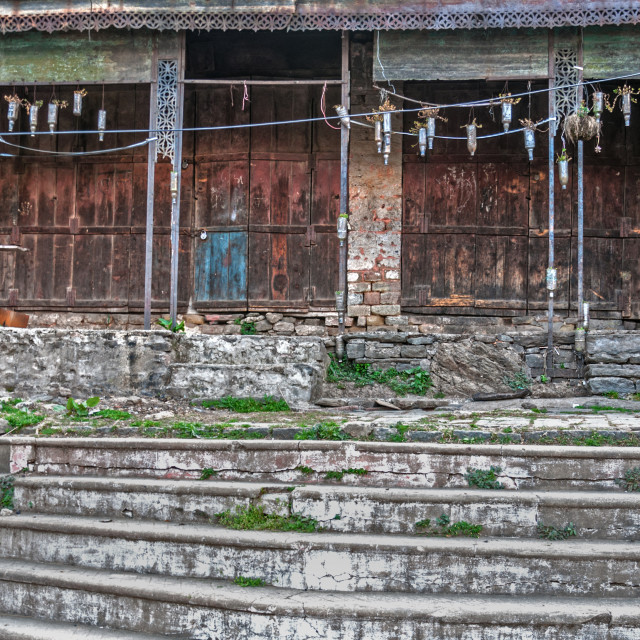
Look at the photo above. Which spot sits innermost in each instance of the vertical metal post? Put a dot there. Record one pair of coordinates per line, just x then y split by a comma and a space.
177, 168
580, 195
552, 206
151, 175
344, 179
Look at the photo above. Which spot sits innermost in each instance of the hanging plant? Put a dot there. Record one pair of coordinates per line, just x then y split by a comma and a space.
507, 103
33, 108
425, 127
377, 117
581, 126
78, 96
13, 109
563, 168
472, 140
625, 94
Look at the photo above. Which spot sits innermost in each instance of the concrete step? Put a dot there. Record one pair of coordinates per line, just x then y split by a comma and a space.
349, 509
330, 561
19, 628
207, 609
387, 464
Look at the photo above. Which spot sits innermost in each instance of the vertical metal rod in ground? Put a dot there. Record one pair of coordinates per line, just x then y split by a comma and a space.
344, 180
580, 96
552, 208
177, 167
151, 175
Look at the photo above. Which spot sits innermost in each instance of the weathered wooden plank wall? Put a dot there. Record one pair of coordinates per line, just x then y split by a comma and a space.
475, 229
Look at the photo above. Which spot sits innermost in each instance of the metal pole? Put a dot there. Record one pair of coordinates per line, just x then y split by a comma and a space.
580, 196
552, 204
344, 181
151, 175
175, 205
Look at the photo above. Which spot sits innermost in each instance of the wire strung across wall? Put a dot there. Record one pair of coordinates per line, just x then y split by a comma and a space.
353, 118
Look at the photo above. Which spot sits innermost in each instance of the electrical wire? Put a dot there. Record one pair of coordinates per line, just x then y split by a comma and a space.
75, 153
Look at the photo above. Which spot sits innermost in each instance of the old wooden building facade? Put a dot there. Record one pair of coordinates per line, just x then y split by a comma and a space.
252, 215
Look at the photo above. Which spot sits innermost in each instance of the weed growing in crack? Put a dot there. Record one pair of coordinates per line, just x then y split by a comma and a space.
207, 473
444, 527
112, 414
306, 470
338, 475
416, 380
241, 581
483, 478
18, 418
518, 382
631, 480
549, 532
254, 518
6, 492
248, 405
328, 430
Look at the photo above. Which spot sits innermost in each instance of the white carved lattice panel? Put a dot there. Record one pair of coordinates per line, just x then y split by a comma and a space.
167, 107
566, 75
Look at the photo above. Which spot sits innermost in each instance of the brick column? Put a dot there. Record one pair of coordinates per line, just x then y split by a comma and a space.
375, 202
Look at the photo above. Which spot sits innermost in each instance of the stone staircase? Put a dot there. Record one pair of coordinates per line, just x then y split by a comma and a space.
119, 539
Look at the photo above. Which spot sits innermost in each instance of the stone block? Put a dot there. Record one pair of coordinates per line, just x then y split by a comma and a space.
332, 321
284, 327
359, 287
263, 326
614, 348
612, 370
193, 318
354, 299
386, 309
397, 321
273, 317
353, 276
372, 276
421, 340
306, 330
392, 274
375, 321
620, 385
214, 329
313, 322
372, 297
381, 350
226, 317
534, 360
355, 349
362, 321
359, 310
390, 297
384, 434
424, 436
413, 351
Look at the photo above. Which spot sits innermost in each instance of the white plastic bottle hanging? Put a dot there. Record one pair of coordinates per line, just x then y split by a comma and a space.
507, 115
529, 141
52, 116
78, 97
563, 172
386, 129
377, 134
12, 113
34, 109
626, 108
597, 104
472, 138
431, 131
422, 141
343, 227
102, 124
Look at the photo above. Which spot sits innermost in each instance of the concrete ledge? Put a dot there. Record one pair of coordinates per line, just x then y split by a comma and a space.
206, 608
602, 515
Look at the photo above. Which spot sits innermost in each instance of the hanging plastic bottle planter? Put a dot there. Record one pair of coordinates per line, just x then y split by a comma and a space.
78, 96
422, 141
102, 124
626, 95
506, 103
563, 168
597, 104
34, 110
341, 110
13, 110
529, 141
431, 131
472, 136
343, 227
386, 131
52, 116
377, 135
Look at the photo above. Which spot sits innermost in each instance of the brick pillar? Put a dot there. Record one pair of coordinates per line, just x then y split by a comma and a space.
375, 203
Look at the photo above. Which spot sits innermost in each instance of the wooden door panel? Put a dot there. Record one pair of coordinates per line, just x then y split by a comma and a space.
603, 200
451, 197
539, 203
538, 262
501, 272
503, 206
221, 192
